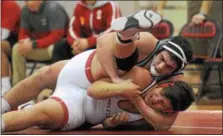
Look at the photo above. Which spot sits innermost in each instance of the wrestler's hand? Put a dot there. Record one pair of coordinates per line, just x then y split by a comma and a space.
130, 90
198, 19
117, 119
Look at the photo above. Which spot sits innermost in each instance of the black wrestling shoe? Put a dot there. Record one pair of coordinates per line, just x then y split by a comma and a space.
141, 21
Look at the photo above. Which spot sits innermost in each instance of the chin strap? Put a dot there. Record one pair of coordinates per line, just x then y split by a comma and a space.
166, 84
148, 87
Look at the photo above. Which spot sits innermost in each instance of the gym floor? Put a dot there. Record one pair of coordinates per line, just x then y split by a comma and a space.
193, 121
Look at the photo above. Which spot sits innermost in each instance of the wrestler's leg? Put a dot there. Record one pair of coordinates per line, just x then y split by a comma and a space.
30, 87
48, 113
121, 43
128, 28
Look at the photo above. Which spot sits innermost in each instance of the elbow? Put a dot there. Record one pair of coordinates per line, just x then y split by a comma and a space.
90, 92
163, 127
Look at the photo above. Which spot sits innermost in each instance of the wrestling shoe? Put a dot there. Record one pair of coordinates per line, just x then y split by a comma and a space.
127, 27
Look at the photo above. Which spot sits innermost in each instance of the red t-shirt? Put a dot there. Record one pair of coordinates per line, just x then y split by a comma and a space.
10, 15
90, 22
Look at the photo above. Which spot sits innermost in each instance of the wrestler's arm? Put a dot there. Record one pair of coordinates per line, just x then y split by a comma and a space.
48, 113
160, 121
146, 44
30, 87
106, 44
104, 88
134, 125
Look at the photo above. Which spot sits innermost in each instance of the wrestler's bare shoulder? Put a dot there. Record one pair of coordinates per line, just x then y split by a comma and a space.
108, 38
146, 43
139, 75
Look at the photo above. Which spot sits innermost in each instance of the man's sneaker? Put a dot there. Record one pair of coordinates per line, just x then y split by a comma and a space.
141, 21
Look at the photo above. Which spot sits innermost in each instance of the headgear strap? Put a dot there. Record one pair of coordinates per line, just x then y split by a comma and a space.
181, 56
166, 84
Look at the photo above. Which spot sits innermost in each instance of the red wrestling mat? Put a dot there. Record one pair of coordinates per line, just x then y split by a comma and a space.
189, 122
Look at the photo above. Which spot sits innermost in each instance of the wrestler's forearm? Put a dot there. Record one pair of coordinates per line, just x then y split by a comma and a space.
103, 90
153, 117
143, 109
106, 58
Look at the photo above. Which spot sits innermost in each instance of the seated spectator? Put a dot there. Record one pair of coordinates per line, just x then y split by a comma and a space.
10, 19
197, 13
43, 23
90, 18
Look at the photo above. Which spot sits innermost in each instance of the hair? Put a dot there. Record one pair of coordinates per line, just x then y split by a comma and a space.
181, 95
185, 46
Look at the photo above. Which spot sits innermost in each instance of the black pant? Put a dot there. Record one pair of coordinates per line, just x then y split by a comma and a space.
62, 51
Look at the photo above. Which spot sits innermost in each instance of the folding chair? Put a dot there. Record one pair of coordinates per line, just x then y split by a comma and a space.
163, 30
208, 30
34, 66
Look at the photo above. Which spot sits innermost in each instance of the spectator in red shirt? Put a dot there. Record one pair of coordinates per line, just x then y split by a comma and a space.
43, 23
10, 19
90, 19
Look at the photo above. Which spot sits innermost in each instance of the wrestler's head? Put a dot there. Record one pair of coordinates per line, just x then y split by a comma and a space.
172, 55
33, 5
170, 97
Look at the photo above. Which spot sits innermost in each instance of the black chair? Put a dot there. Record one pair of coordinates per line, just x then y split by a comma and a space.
163, 30
211, 31
34, 66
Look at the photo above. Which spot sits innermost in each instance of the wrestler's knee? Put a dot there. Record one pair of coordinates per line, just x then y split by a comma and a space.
42, 76
44, 72
51, 113
47, 75
58, 66
52, 71
41, 119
